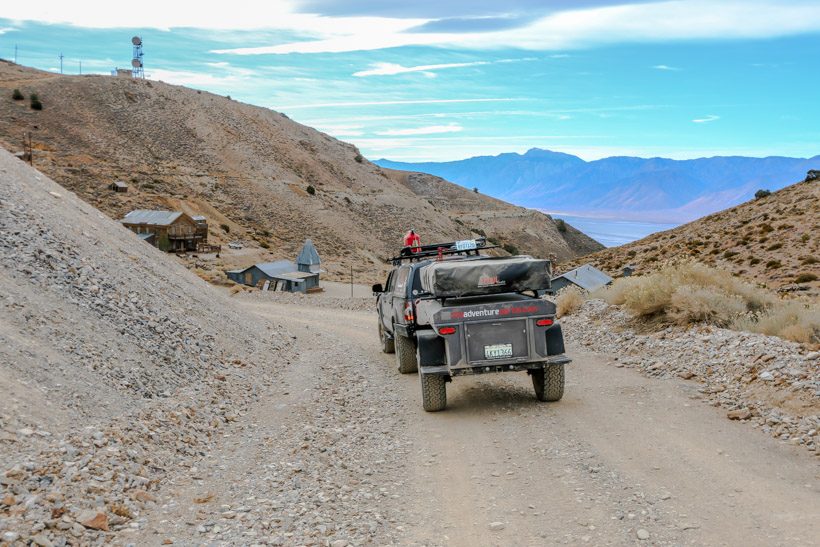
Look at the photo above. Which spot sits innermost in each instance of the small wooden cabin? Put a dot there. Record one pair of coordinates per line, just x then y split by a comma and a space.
173, 230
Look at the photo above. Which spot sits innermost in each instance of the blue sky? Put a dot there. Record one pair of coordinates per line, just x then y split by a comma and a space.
448, 80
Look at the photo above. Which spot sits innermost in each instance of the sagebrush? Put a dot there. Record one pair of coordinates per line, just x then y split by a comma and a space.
691, 293
568, 301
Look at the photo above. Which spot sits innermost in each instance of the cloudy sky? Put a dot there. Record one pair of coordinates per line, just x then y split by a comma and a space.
433, 80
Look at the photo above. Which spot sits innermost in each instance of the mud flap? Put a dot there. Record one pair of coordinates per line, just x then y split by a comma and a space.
555, 340
431, 350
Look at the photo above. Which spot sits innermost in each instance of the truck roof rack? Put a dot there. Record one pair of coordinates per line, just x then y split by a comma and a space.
439, 249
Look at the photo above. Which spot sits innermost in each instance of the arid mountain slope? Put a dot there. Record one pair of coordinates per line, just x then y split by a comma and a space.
110, 357
774, 240
248, 168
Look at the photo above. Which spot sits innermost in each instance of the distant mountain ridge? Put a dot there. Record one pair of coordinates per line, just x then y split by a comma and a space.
655, 189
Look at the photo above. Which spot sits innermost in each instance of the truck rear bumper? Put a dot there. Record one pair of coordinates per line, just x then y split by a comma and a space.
485, 368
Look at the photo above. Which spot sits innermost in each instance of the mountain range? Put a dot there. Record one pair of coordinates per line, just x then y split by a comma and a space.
648, 189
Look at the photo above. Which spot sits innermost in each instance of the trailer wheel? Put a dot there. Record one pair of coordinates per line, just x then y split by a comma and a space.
387, 342
433, 392
549, 383
405, 354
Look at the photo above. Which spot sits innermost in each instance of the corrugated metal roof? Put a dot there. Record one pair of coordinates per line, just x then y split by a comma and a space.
295, 276
308, 255
199, 217
272, 269
120, 184
156, 218
587, 277
145, 236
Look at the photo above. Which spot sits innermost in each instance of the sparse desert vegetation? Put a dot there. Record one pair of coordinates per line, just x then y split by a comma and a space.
690, 293
568, 300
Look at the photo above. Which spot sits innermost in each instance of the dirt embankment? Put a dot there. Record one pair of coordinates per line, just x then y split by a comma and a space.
117, 365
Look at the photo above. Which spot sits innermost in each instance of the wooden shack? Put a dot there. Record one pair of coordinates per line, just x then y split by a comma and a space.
173, 230
118, 186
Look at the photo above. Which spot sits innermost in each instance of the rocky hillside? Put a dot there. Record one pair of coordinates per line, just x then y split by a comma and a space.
258, 176
111, 357
774, 240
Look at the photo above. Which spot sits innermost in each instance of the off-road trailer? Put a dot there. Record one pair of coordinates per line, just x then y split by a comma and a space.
471, 314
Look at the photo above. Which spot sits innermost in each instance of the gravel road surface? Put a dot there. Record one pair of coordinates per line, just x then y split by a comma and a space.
341, 453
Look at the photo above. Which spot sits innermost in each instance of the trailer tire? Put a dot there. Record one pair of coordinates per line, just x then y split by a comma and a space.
387, 343
405, 354
433, 392
549, 383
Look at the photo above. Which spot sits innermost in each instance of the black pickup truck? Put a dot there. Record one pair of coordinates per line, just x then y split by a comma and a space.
446, 310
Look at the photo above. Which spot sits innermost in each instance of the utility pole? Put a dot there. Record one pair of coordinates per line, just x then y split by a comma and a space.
15, 54
81, 68
61, 62
351, 281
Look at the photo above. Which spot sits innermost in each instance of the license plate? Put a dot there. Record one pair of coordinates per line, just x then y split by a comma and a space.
466, 245
498, 351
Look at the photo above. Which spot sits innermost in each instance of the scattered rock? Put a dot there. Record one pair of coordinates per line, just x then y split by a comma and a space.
496, 526
642, 534
94, 520
739, 414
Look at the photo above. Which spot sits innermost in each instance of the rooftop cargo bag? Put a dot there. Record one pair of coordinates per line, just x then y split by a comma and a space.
454, 278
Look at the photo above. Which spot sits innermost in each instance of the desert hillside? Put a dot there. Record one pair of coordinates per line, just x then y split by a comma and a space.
772, 240
250, 170
110, 357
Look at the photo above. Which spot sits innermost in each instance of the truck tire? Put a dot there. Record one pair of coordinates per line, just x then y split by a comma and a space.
387, 343
549, 383
405, 354
433, 392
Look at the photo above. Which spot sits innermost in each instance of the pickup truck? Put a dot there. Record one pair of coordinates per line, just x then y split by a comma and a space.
446, 311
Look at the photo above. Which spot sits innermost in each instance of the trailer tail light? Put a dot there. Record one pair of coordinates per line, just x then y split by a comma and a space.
408, 312
447, 330
544, 322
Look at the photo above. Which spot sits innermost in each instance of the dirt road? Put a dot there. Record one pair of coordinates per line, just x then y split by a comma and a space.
342, 453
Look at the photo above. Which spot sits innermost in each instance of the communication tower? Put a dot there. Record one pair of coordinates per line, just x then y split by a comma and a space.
137, 70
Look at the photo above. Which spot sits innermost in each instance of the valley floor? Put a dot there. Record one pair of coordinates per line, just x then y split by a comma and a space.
340, 452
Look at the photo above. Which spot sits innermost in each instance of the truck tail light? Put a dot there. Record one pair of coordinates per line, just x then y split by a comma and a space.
544, 322
408, 312
447, 330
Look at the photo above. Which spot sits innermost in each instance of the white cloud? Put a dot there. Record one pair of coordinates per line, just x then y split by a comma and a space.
391, 69
653, 22
387, 103
7, 29
666, 67
706, 119
341, 130
187, 78
427, 130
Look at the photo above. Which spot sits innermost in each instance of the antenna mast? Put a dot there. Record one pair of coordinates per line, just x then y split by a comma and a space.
137, 70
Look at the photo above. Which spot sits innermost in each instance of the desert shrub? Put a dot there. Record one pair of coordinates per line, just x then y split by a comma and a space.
17, 95
479, 231
568, 301
561, 225
458, 221
791, 320
729, 254
510, 248
808, 260
475, 189
765, 228
493, 241
311, 190
762, 194
805, 278
773, 264
347, 200
754, 260
225, 228
679, 293
805, 237
237, 289
774, 246
34, 102
690, 293
264, 244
